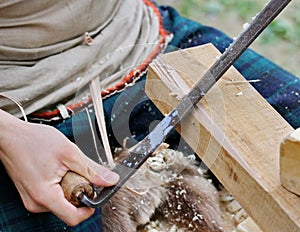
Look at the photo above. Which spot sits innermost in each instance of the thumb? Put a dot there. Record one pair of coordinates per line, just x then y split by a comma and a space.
97, 174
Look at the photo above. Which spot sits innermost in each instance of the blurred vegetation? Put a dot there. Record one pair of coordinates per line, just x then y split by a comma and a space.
280, 42
285, 28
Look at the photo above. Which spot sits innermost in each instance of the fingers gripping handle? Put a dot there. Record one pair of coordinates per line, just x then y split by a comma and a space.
75, 186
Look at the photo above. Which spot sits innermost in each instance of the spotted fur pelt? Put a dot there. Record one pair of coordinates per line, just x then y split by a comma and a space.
168, 184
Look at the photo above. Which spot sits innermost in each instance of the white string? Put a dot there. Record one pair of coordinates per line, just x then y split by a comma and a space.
98, 105
243, 81
17, 103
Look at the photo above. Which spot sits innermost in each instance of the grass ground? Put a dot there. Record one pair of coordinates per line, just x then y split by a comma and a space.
280, 42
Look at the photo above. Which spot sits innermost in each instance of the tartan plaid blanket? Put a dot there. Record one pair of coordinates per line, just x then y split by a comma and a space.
131, 114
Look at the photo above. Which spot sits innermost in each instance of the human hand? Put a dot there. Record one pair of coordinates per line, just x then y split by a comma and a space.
36, 158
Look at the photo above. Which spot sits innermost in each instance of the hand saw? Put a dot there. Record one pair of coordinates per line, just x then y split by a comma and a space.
139, 153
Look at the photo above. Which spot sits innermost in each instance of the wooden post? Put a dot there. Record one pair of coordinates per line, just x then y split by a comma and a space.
234, 131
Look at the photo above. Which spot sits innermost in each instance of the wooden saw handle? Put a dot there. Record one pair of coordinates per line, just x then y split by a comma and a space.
74, 185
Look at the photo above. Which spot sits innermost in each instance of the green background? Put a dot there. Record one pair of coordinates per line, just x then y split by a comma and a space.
280, 42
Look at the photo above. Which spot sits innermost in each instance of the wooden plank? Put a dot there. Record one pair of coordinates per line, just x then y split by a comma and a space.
234, 131
290, 162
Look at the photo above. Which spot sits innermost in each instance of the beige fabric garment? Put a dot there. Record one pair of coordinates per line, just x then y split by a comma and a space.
34, 29
50, 62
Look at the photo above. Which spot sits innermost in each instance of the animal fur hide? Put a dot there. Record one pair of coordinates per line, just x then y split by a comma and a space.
168, 184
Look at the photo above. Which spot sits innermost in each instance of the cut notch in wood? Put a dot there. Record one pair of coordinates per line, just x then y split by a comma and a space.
290, 162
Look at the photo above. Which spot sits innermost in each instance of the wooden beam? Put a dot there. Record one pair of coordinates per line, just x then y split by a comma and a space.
234, 131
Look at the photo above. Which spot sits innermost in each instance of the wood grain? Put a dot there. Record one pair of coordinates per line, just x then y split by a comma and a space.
234, 131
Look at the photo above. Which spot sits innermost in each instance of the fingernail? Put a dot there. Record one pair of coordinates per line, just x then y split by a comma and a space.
110, 177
